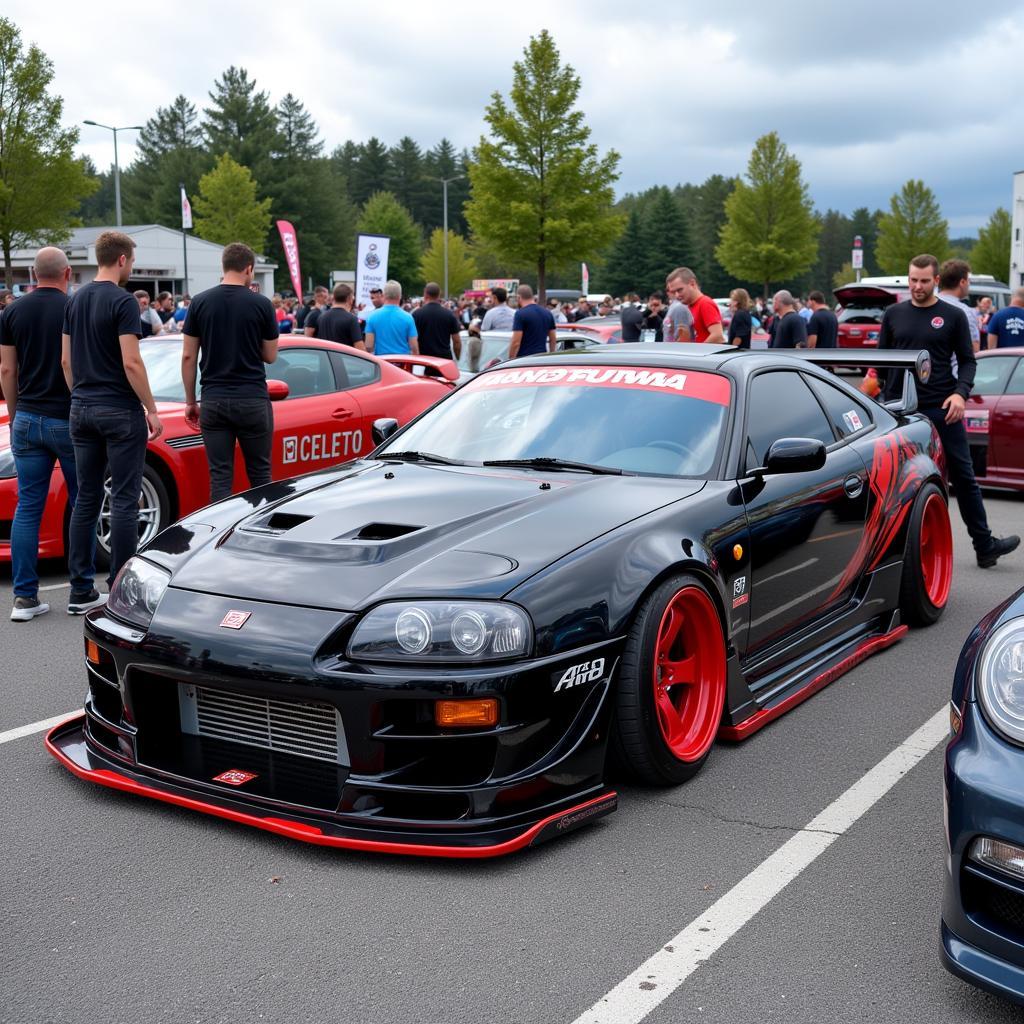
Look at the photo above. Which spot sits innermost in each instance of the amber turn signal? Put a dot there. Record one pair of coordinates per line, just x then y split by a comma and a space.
466, 713
92, 652
737, 551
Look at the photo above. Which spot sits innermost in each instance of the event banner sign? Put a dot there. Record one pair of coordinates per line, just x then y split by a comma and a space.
483, 284
371, 266
290, 244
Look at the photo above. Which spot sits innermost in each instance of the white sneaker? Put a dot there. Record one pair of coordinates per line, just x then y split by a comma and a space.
26, 608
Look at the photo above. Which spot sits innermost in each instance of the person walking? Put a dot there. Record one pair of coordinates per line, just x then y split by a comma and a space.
437, 327
113, 414
682, 285
533, 328
741, 325
389, 329
823, 325
500, 316
789, 329
339, 323
924, 321
1005, 328
230, 334
38, 405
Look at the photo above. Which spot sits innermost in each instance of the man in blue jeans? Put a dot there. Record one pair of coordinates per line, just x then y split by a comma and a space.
112, 414
39, 403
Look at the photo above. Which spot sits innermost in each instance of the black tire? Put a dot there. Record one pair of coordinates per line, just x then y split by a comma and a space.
153, 489
638, 743
918, 607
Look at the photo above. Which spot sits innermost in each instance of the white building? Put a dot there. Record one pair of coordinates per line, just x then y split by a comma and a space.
159, 261
1017, 236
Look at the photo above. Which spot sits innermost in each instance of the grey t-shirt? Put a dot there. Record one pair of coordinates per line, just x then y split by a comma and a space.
678, 315
498, 318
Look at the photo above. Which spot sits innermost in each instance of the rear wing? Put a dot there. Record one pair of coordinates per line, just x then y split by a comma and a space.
432, 366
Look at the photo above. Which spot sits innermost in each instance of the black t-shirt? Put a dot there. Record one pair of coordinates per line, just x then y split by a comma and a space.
790, 331
632, 317
943, 331
337, 324
824, 324
33, 326
435, 326
231, 324
95, 318
654, 322
312, 319
740, 326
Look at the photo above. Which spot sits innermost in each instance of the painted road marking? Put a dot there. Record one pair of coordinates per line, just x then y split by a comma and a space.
28, 730
659, 976
56, 586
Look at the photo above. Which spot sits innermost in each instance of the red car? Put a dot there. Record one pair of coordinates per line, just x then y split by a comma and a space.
995, 418
326, 397
861, 314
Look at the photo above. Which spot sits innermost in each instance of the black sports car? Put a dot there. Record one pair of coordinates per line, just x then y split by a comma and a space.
633, 549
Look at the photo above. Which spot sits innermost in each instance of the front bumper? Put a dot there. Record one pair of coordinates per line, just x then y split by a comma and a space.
983, 909
398, 782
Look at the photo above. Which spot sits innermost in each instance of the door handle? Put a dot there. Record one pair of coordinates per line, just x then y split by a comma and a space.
341, 414
853, 485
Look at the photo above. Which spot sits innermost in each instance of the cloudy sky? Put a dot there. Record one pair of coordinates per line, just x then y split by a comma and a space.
866, 94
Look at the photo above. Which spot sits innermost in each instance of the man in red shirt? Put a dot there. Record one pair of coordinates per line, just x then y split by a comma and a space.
682, 284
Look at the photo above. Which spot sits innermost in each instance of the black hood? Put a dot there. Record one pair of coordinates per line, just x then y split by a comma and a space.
411, 530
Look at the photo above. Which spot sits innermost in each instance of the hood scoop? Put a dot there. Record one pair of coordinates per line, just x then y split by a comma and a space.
380, 531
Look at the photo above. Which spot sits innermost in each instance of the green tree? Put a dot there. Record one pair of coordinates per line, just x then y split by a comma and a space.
385, 215
226, 208
705, 217
405, 178
444, 162
42, 182
462, 266
540, 192
97, 209
369, 172
170, 153
667, 239
298, 137
770, 233
864, 222
834, 246
844, 275
913, 225
991, 253
241, 122
628, 255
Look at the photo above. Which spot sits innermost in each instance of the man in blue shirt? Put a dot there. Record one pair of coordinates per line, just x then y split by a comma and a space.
1006, 328
533, 326
389, 329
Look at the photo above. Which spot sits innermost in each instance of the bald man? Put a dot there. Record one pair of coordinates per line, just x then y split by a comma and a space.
39, 405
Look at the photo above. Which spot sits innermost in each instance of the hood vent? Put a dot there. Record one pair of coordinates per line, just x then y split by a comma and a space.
381, 531
278, 522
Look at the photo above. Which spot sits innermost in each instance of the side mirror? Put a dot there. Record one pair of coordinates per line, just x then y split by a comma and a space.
277, 390
382, 429
795, 455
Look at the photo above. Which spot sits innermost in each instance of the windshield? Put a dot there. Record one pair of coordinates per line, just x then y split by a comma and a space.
163, 367
637, 419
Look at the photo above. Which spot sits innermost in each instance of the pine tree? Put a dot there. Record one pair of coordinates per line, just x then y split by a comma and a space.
98, 209
834, 245
226, 208
706, 218
297, 133
770, 234
462, 266
384, 215
439, 163
241, 122
405, 178
991, 253
370, 171
623, 270
668, 244
913, 225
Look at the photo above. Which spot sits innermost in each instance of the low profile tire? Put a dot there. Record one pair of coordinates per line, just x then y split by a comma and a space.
928, 563
671, 688
154, 514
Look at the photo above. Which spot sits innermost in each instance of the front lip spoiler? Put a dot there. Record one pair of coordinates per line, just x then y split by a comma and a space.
67, 743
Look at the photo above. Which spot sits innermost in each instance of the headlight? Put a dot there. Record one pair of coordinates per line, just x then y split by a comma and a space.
1001, 679
137, 591
7, 469
442, 631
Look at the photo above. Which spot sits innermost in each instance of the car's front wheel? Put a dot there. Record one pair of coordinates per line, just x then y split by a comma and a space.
671, 687
154, 514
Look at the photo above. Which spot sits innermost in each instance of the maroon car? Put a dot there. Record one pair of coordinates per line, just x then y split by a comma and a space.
995, 418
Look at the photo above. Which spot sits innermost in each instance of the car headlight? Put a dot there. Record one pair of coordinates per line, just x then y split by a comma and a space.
442, 631
7, 469
1001, 679
137, 591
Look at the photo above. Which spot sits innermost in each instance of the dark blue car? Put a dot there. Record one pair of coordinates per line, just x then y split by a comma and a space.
983, 908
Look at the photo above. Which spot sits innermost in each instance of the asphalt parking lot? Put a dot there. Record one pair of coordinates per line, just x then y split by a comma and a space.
117, 909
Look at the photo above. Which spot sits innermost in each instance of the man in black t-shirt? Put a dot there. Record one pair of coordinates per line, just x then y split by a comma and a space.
321, 299
38, 403
436, 327
924, 321
339, 323
823, 326
231, 332
789, 327
113, 414
631, 318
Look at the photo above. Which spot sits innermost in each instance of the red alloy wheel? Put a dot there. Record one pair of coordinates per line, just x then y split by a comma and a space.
936, 550
689, 674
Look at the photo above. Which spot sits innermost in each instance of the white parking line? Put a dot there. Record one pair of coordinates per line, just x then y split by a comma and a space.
660, 975
55, 586
27, 730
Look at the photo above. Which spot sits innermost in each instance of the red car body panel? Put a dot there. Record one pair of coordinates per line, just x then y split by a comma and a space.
310, 432
997, 417
862, 331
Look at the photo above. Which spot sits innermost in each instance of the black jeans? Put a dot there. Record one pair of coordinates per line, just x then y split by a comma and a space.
105, 436
961, 476
250, 421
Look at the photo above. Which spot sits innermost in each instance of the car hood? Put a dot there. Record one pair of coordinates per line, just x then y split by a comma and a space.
384, 530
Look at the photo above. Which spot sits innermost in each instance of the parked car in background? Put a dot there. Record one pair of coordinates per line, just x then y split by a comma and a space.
995, 418
482, 351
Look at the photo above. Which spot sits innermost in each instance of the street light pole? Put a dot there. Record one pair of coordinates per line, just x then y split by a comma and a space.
444, 183
117, 168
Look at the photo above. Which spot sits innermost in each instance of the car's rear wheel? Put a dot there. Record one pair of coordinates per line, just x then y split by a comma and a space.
928, 563
671, 687
154, 514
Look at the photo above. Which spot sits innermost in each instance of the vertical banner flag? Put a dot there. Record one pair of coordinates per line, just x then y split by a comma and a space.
186, 211
585, 273
371, 267
290, 244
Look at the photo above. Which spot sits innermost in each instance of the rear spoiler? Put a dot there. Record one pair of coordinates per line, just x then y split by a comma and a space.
433, 366
916, 365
